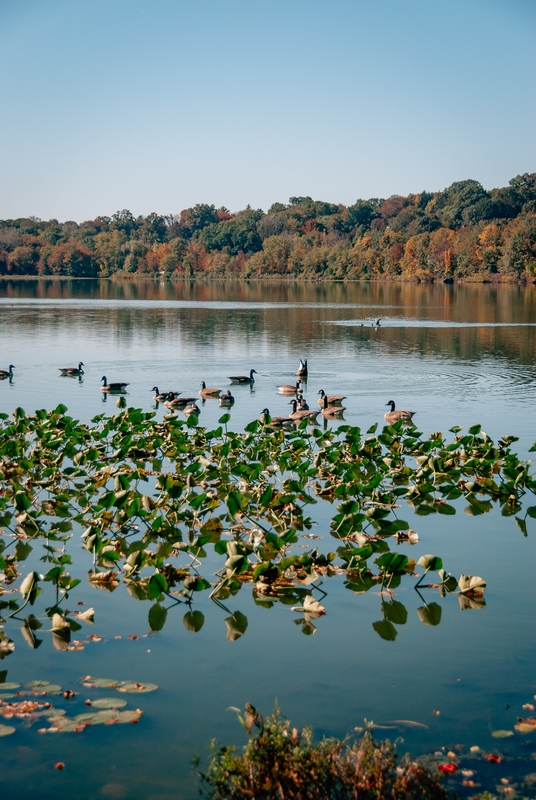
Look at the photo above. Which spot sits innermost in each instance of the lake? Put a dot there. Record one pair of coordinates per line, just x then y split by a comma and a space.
455, 354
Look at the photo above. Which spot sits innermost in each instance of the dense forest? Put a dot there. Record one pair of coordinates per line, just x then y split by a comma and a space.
463, 232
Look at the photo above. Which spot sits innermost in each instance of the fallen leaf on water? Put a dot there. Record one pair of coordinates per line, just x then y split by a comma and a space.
492, 758
451, 754
81, 603
469, 783
437, 713
528, 706
447, 768
525, 727
94, 637
474, 749
59, 765
505, 780
68, 693
133, 637
118, 637
467, 773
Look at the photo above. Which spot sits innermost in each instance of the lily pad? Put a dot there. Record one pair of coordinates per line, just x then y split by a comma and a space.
6, 730
502, 734
109, 702
136, 688
101, 683
4, 686
6, 697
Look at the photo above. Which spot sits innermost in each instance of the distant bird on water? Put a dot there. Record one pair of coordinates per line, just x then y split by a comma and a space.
290, 388
396, 416
333, 399
330, 411
275, 422
243, 378
301, 414
226, 398
7, 373
302, 371
119, 386
210, 393
72, 370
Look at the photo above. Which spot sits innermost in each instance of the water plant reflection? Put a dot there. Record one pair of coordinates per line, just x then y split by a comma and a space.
155, 501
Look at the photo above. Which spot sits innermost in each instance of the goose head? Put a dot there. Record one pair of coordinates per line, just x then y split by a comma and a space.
392, 404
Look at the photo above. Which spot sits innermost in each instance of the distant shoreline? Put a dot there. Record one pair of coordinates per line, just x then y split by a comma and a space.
495, 280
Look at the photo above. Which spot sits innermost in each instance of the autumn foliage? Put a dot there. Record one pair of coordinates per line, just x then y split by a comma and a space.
463, 232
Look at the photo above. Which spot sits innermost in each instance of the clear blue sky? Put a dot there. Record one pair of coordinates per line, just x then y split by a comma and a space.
155, 105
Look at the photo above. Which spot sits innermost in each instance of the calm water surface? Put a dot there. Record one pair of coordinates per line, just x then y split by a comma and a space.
456, 355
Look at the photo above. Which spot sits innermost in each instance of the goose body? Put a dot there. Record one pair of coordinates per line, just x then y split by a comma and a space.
290, 388
395, 416
174, 401
72, 370
275, 422
204, 392
226, 398
243, 378
302, 369
161, 396
302, 402
301, 414
329, 410
333, 399
7, 373
191, 408
112, 387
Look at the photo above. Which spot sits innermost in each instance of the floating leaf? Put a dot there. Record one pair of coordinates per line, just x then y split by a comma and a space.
101, 683
9, 686
471, 584
6, 730
502, 734
109, 702
136, 688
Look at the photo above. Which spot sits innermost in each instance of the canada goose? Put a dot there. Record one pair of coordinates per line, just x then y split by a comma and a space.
302, 402
191, 408
243, 378
299, 415
275, 422
290, 388
174, 401
214, 393
395, 416
7, 373
226, 398
302, 369
329, 410
161, 396
112, 387
72, 370
333, 399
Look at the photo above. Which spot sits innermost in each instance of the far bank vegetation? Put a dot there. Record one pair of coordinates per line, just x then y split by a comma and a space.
461, 233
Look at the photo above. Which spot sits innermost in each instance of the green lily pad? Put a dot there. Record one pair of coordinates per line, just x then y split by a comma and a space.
6, 730
109, 702
502, 734
4, 686
45, 686
123, 717
102, 683
7, 696
136, 688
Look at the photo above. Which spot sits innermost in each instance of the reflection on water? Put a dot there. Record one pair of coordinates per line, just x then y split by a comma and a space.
456, 354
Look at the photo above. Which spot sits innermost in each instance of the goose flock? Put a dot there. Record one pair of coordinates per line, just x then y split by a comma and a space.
330, 405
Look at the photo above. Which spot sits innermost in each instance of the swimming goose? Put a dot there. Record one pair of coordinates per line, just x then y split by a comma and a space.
395, 416
290, 388
275, 422
174, 401
329, 410
210, 393
333, 399
302, 414
161, 396
302, 402
191, 408
7, 373
226, 398
112, 387
73, 370
243, 378
302, 369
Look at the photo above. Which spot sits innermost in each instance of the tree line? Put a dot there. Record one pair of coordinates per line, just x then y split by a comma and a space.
461, 232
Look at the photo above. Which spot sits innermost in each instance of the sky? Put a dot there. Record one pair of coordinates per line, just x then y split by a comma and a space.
156, 105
